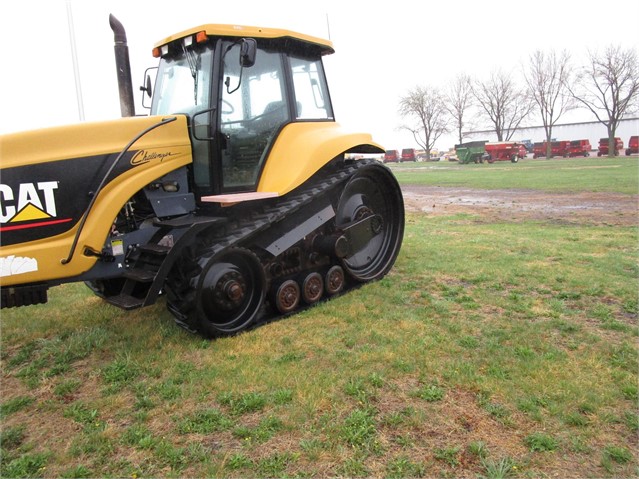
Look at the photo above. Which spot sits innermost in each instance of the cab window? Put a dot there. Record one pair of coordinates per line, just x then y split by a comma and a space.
311, 91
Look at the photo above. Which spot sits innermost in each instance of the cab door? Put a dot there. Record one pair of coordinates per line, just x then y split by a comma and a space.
254, 106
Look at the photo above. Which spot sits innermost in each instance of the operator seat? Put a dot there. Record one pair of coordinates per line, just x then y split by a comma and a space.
274, 115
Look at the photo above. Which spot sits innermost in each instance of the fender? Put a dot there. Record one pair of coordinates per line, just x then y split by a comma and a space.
302, 148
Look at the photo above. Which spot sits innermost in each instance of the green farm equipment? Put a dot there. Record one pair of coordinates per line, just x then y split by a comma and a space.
471, 152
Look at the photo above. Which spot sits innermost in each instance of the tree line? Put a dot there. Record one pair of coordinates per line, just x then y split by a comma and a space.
549, 86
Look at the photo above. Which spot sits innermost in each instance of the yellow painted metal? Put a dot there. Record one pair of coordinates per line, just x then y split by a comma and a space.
159, 152
86, 139
252, 32
301, 149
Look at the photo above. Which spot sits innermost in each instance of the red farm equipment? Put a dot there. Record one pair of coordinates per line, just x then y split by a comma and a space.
633, 146
408, 154
391, 156
579, 148
539, 150
559, 148
504, 151
603, 146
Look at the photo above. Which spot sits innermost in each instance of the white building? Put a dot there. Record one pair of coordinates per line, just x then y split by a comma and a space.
590, 130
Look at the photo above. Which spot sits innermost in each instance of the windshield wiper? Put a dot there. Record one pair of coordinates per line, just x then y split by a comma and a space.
194, 62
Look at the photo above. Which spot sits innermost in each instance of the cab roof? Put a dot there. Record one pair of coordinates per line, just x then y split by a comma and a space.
238, 31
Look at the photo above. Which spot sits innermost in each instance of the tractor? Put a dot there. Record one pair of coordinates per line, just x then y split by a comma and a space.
236, 199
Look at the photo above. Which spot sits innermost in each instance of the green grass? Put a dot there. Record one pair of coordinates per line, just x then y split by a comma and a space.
492, 349
620, 174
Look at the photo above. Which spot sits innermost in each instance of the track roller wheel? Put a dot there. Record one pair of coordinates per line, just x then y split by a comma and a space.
372, 192
312, 288
230, 293
334, 280
287, 297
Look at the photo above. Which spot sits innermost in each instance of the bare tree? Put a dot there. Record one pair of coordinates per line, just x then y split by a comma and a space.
503, 103
425, 107
548, 77
459, 100
609, 88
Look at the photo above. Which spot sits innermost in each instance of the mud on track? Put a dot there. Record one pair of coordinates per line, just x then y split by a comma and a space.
525, 205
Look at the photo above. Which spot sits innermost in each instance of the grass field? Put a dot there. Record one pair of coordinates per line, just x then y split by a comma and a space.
577, 174
492, 349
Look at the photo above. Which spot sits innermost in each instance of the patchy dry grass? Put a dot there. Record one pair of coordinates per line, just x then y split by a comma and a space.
493, 349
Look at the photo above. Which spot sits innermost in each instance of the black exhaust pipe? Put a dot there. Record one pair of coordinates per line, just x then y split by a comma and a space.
123, 67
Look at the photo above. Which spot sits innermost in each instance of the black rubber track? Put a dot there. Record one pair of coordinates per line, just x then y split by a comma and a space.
183, 282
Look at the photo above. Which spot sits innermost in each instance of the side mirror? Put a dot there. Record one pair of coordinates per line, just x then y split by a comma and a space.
248, 49
148, 88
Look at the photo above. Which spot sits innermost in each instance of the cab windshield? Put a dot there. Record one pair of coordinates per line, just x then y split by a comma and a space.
183, 83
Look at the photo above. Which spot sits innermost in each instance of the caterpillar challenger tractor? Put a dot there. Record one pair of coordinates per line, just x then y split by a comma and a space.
237, 198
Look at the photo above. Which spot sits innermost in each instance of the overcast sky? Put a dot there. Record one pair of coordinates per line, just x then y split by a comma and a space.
383, 49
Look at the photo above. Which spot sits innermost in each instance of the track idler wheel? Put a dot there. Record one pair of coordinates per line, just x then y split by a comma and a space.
312, 288
287, 296
230, 293
371, 209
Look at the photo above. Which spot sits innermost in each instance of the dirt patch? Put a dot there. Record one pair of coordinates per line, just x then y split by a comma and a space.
517, 205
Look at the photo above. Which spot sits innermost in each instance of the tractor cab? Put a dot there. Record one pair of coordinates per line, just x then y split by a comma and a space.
239, 86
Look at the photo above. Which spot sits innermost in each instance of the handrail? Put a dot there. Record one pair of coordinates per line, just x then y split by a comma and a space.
68, 259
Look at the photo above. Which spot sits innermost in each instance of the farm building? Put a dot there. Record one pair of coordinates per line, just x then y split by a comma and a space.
591, 130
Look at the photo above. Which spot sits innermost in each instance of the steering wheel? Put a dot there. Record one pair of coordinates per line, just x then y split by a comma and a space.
230, 107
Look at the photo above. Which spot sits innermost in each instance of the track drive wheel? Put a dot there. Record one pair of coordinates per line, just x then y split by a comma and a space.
230, 293
372, 192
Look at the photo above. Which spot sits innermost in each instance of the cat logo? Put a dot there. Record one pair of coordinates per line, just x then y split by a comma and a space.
33, 205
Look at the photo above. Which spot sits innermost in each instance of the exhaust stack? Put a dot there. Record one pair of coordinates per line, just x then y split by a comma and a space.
123, 67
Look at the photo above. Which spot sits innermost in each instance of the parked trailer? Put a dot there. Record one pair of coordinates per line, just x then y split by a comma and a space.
559, 148
579, 148
471, 152
603, 146
504, 151
539, 150
633, 146
408, 154
391, 156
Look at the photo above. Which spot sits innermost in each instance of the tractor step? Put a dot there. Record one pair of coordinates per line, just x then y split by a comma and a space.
140, 275
154, 249
139, 279
125, 301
